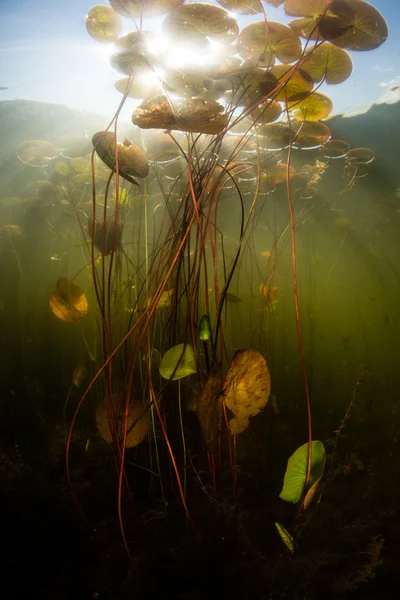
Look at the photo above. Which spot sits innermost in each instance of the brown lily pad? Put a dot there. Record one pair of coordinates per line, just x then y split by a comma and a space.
194, 115
209, 408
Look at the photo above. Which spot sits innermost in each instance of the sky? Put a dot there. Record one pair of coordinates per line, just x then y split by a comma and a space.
46, 54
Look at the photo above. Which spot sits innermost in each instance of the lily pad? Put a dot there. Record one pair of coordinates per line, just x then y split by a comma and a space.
144, 8
103, 24
36, 153
209, 408
285, 84
178, 362
131, 160
263, 38
244, 7
313, 107
194, 115
247, 387
296, 471
328, 62
68, 302
335, 149
137, 427
192, 22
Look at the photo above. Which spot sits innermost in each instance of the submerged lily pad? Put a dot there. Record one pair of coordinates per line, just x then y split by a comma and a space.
131, 160
178, 362
209, 408
137, 426
247, 387
296, 471
68, 302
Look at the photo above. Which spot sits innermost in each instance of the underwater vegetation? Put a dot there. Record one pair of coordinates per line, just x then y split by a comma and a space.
188, 280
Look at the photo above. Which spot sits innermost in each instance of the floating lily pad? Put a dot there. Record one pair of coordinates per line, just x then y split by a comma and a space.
276, 136
247, 387
209, 408
313, 107
261, 39
359, 156
285, 84
192, 22
140, 86
355, 25
103, 24
144, 8
335, 149
68, 302
195, 115
132, 53
296, 471
244, 7
178, 362
349, 24
266, 112
309, 134
304, 8
356, 170
328, 62
36, 153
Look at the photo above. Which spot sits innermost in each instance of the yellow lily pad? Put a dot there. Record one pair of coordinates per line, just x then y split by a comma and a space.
68, 302
247, 387
328, 62
313, 107
103, 24
196, 20
263, 38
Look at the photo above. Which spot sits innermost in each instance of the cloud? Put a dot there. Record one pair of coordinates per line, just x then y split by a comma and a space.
383, 69
392, 91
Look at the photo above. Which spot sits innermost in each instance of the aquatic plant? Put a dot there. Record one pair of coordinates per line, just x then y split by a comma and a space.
212, 143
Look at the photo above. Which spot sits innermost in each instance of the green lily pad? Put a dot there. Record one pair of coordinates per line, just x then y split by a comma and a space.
296, 471
178, 362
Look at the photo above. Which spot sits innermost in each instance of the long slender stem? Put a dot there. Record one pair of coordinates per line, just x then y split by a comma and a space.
183, 437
